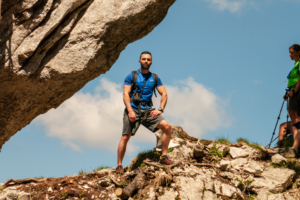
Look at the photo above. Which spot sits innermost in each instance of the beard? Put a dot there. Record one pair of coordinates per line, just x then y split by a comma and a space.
145, 66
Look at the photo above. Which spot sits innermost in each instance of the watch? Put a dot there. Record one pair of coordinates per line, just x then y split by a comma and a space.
161, 110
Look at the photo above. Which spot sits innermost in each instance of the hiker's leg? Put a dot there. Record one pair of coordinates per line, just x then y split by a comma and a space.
296, 131
122, 147
282, 131
165, 138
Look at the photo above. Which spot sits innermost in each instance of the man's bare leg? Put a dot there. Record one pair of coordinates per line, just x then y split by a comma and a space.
282, 131
296, 132
165, 138
122, 148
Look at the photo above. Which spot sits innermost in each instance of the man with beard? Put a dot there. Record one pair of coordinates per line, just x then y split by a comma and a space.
137, 95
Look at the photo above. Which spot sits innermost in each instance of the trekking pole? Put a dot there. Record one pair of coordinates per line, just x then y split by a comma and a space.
277, 121
271, 142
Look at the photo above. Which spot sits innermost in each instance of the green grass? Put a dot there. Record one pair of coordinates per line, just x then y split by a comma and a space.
248, 183
81, 172
123, 183
223, 140
142, 156
143, 165
243, 140
2, 190
215, 152
288, 142
251, 196
239, 180
170, 150
103, 167
294, 165
254, 145
283, 164
64, 195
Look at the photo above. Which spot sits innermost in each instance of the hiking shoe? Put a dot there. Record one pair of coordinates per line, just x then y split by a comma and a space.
279, 144
120, 170
164, 160
292, 153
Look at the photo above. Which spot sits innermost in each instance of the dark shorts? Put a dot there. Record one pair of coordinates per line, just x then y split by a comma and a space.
293, 102
132, 127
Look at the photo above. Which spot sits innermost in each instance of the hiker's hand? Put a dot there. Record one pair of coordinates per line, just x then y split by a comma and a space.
132, 116
290, 94
154, 113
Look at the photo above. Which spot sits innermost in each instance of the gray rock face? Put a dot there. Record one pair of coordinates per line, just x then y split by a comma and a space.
49, 49
278, 159
274, 180
190, 188
238, 152
168, 194
208, 195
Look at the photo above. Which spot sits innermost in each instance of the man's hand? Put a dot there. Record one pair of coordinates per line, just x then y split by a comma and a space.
154, 113
290, 94
132, 116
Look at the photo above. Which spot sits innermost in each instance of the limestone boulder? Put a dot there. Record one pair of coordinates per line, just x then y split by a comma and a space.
208, 195
253, 168
49, 49
236, 152
278, 159
168, 194
225, 165
190, 188
182, 153
272, 179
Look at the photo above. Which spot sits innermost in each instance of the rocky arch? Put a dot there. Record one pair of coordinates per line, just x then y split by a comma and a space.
49, 49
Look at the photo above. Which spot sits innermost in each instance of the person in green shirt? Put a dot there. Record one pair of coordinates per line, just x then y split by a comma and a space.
293, 99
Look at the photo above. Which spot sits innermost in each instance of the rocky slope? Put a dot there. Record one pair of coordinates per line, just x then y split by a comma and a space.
203, 170
49, 49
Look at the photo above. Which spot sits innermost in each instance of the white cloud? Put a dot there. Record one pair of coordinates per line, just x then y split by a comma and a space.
95, 120
231, 5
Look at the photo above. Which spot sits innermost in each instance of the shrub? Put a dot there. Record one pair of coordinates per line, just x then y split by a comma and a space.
153, 155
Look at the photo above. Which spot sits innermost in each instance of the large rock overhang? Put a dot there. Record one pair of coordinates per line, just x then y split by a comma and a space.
49, 49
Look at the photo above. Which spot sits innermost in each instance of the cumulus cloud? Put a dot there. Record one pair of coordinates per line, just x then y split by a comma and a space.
95, 120
231, 5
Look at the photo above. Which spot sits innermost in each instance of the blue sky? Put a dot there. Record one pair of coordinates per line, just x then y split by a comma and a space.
223, 62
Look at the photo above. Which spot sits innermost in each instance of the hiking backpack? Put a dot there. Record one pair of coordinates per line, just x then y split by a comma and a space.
133, 83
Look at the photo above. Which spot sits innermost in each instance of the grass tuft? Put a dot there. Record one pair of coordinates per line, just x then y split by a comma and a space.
223, 140
81, 172
103, 167
215, 152
283, 164
294, 165
243, 140
288, 142
153, 155
253, 145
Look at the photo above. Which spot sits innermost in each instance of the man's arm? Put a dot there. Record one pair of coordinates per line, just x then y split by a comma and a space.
126, 99
164, 97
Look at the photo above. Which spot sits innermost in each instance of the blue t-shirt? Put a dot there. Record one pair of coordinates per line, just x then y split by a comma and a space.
148, 90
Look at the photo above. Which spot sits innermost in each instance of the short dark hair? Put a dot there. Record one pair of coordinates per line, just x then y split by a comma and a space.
296, 47
145, 52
